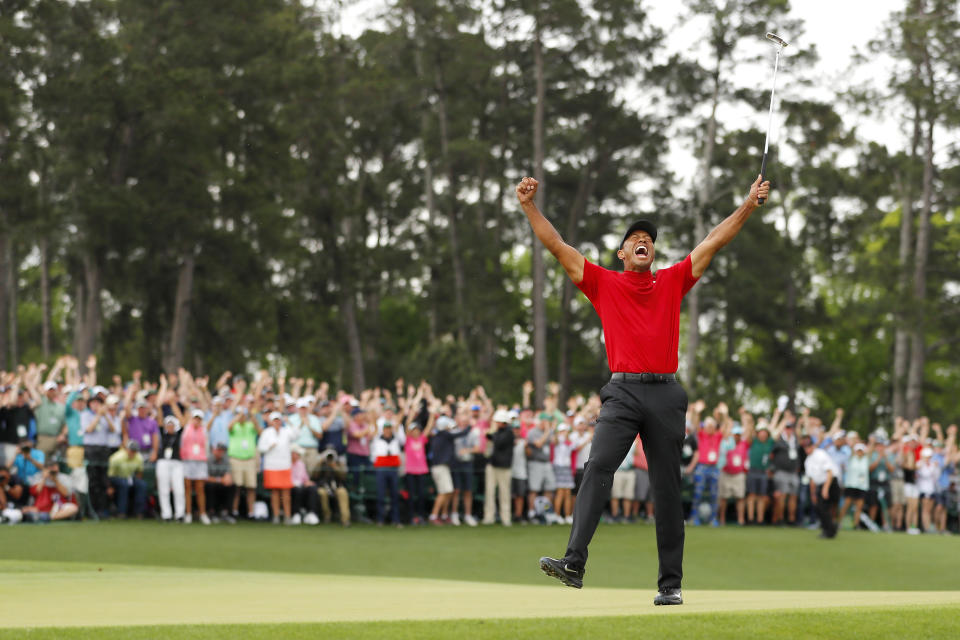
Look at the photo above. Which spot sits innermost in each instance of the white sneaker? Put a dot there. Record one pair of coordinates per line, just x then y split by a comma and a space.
187, 519
470, 520
204, 518
568, 520
311, 518
913, 531
295, 519
455, 519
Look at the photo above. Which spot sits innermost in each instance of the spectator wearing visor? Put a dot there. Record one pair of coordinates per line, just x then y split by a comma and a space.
501, 437
193, 452
274, 444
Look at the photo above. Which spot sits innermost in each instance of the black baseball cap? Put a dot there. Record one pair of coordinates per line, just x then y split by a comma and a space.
640, 225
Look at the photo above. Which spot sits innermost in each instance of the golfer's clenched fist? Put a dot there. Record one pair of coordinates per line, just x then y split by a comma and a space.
526, 190
757, 190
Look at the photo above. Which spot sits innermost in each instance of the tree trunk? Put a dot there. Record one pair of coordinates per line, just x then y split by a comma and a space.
901, 340
918, 349
456, 258
704, 195
537, 266
588, 178
45, 314
5, 364
89, 311
176, 350
429, 197
348, 305
10, 278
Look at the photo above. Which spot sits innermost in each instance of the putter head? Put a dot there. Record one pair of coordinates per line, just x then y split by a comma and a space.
777, 40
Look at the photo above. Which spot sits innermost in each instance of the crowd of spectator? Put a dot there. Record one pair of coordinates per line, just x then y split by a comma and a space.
293, 451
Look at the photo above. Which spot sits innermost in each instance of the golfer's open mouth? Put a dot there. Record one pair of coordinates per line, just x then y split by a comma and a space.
640, 251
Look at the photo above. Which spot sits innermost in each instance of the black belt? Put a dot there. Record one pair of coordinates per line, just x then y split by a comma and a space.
650, 378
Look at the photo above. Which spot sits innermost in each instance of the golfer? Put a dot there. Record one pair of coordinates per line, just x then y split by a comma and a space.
640, 314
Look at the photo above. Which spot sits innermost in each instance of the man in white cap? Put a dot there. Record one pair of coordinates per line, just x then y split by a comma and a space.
310, 432
856, 483
823, 473
499, 464
51, 424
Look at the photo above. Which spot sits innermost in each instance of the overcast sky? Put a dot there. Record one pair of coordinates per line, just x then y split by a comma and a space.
834, 27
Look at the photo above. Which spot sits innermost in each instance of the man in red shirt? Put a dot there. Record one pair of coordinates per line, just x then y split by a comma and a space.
640, 314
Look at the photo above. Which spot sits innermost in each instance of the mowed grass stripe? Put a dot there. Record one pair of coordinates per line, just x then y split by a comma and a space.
622, 556
119, 595
922, 623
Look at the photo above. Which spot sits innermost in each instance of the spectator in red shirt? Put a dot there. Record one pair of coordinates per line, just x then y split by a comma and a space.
51, 497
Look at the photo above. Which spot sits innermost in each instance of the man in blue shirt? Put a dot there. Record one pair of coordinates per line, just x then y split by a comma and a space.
28, 463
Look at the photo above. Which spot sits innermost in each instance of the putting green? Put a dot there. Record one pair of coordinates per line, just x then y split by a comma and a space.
110, 595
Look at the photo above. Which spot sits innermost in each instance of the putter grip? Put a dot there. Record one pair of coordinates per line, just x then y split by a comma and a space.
763, 173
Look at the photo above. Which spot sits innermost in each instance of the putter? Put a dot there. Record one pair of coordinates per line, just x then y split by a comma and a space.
780, 43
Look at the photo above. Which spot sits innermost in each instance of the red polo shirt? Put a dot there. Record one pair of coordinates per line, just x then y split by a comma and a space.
640, 314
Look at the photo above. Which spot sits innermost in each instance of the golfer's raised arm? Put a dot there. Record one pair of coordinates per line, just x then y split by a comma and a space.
570, 258
724, 232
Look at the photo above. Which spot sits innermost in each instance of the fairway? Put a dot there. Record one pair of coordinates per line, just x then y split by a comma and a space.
101, 575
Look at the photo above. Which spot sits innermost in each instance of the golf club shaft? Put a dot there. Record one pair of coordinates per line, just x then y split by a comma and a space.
766, 141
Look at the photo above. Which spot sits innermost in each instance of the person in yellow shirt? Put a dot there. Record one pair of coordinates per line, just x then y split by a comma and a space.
125, 470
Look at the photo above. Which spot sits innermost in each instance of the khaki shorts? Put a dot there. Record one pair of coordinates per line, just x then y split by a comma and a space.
732, 486
311, 460
74, 457
244, 472
624, 485
897, 494
442, 478
48, 445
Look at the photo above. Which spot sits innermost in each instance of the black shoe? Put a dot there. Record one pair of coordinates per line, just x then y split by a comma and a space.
826, 536
668, 596
559, 569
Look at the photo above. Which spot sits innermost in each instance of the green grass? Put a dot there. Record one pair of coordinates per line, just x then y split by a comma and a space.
622, 556
916, 623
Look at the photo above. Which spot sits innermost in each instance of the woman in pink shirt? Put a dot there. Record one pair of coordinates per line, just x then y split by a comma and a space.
303, 495
193, 452
415, 455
